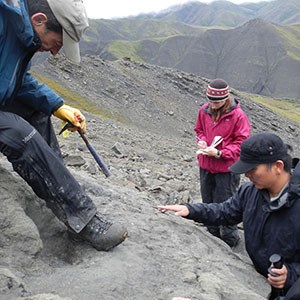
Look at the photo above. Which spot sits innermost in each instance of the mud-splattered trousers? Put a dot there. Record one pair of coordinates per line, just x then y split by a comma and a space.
32, 148
26, 134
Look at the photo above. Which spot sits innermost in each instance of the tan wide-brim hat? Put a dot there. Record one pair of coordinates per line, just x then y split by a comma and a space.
71, 15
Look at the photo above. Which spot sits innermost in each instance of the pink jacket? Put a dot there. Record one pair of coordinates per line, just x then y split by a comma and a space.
234, 127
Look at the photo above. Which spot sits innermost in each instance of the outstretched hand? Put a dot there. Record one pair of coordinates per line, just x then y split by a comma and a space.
180, 210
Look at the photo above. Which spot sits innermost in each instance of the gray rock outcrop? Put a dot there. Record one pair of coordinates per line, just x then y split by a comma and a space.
151, 154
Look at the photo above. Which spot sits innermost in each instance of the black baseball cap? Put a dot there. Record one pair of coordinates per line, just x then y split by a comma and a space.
261, 148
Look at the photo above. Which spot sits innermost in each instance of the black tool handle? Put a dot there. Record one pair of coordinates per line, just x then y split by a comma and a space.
98, 159
276, 260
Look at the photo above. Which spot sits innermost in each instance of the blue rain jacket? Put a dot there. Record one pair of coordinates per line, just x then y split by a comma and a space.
18, 42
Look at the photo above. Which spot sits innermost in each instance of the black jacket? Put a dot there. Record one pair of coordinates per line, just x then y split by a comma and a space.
269, 227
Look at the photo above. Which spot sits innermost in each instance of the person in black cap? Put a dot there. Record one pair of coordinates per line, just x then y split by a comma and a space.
268, 206
27, 137
222, 117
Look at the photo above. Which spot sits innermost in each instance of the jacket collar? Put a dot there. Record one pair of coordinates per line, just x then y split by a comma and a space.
234, 104
294, 187
16, 11
289, 194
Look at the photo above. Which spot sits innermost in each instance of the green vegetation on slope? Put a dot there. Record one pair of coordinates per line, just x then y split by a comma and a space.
287, 108
82, 103
291, 38
134, 29
121, 49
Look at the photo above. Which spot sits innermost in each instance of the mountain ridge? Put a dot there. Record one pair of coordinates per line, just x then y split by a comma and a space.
258, 57
226, 13
246, 62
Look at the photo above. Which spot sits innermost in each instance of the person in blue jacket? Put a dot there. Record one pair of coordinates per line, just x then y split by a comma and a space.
268, 206
27, 137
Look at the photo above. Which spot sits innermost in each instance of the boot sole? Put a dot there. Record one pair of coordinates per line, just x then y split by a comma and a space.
75, 237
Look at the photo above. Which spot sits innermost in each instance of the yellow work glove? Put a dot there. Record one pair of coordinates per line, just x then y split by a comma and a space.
72, 115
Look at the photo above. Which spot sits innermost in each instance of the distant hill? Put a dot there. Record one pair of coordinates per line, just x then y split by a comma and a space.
258, 57
102, 32
219, 13
225, 13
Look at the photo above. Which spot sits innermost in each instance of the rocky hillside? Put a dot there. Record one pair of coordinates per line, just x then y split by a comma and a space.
140, 120
147, 96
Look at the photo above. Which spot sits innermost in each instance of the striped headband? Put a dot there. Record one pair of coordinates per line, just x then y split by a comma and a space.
216, 94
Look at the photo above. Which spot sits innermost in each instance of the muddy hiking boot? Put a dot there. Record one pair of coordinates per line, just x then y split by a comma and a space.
101, 234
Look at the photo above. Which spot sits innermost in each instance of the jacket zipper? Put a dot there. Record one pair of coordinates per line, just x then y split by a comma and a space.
21, 74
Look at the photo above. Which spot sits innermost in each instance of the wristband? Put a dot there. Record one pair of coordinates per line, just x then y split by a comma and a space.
219, 153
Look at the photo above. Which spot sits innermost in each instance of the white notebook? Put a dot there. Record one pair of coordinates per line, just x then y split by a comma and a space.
216, 141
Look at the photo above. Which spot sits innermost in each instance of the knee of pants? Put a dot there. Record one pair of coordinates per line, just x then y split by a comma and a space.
15, 135
229, 232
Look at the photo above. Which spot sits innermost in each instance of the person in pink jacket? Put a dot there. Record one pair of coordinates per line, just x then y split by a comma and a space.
220, 129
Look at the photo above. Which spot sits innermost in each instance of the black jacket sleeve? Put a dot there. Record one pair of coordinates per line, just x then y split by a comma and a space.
229, 212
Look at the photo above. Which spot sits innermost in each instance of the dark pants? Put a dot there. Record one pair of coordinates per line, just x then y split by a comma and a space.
32, 148
292, 294
216, 188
